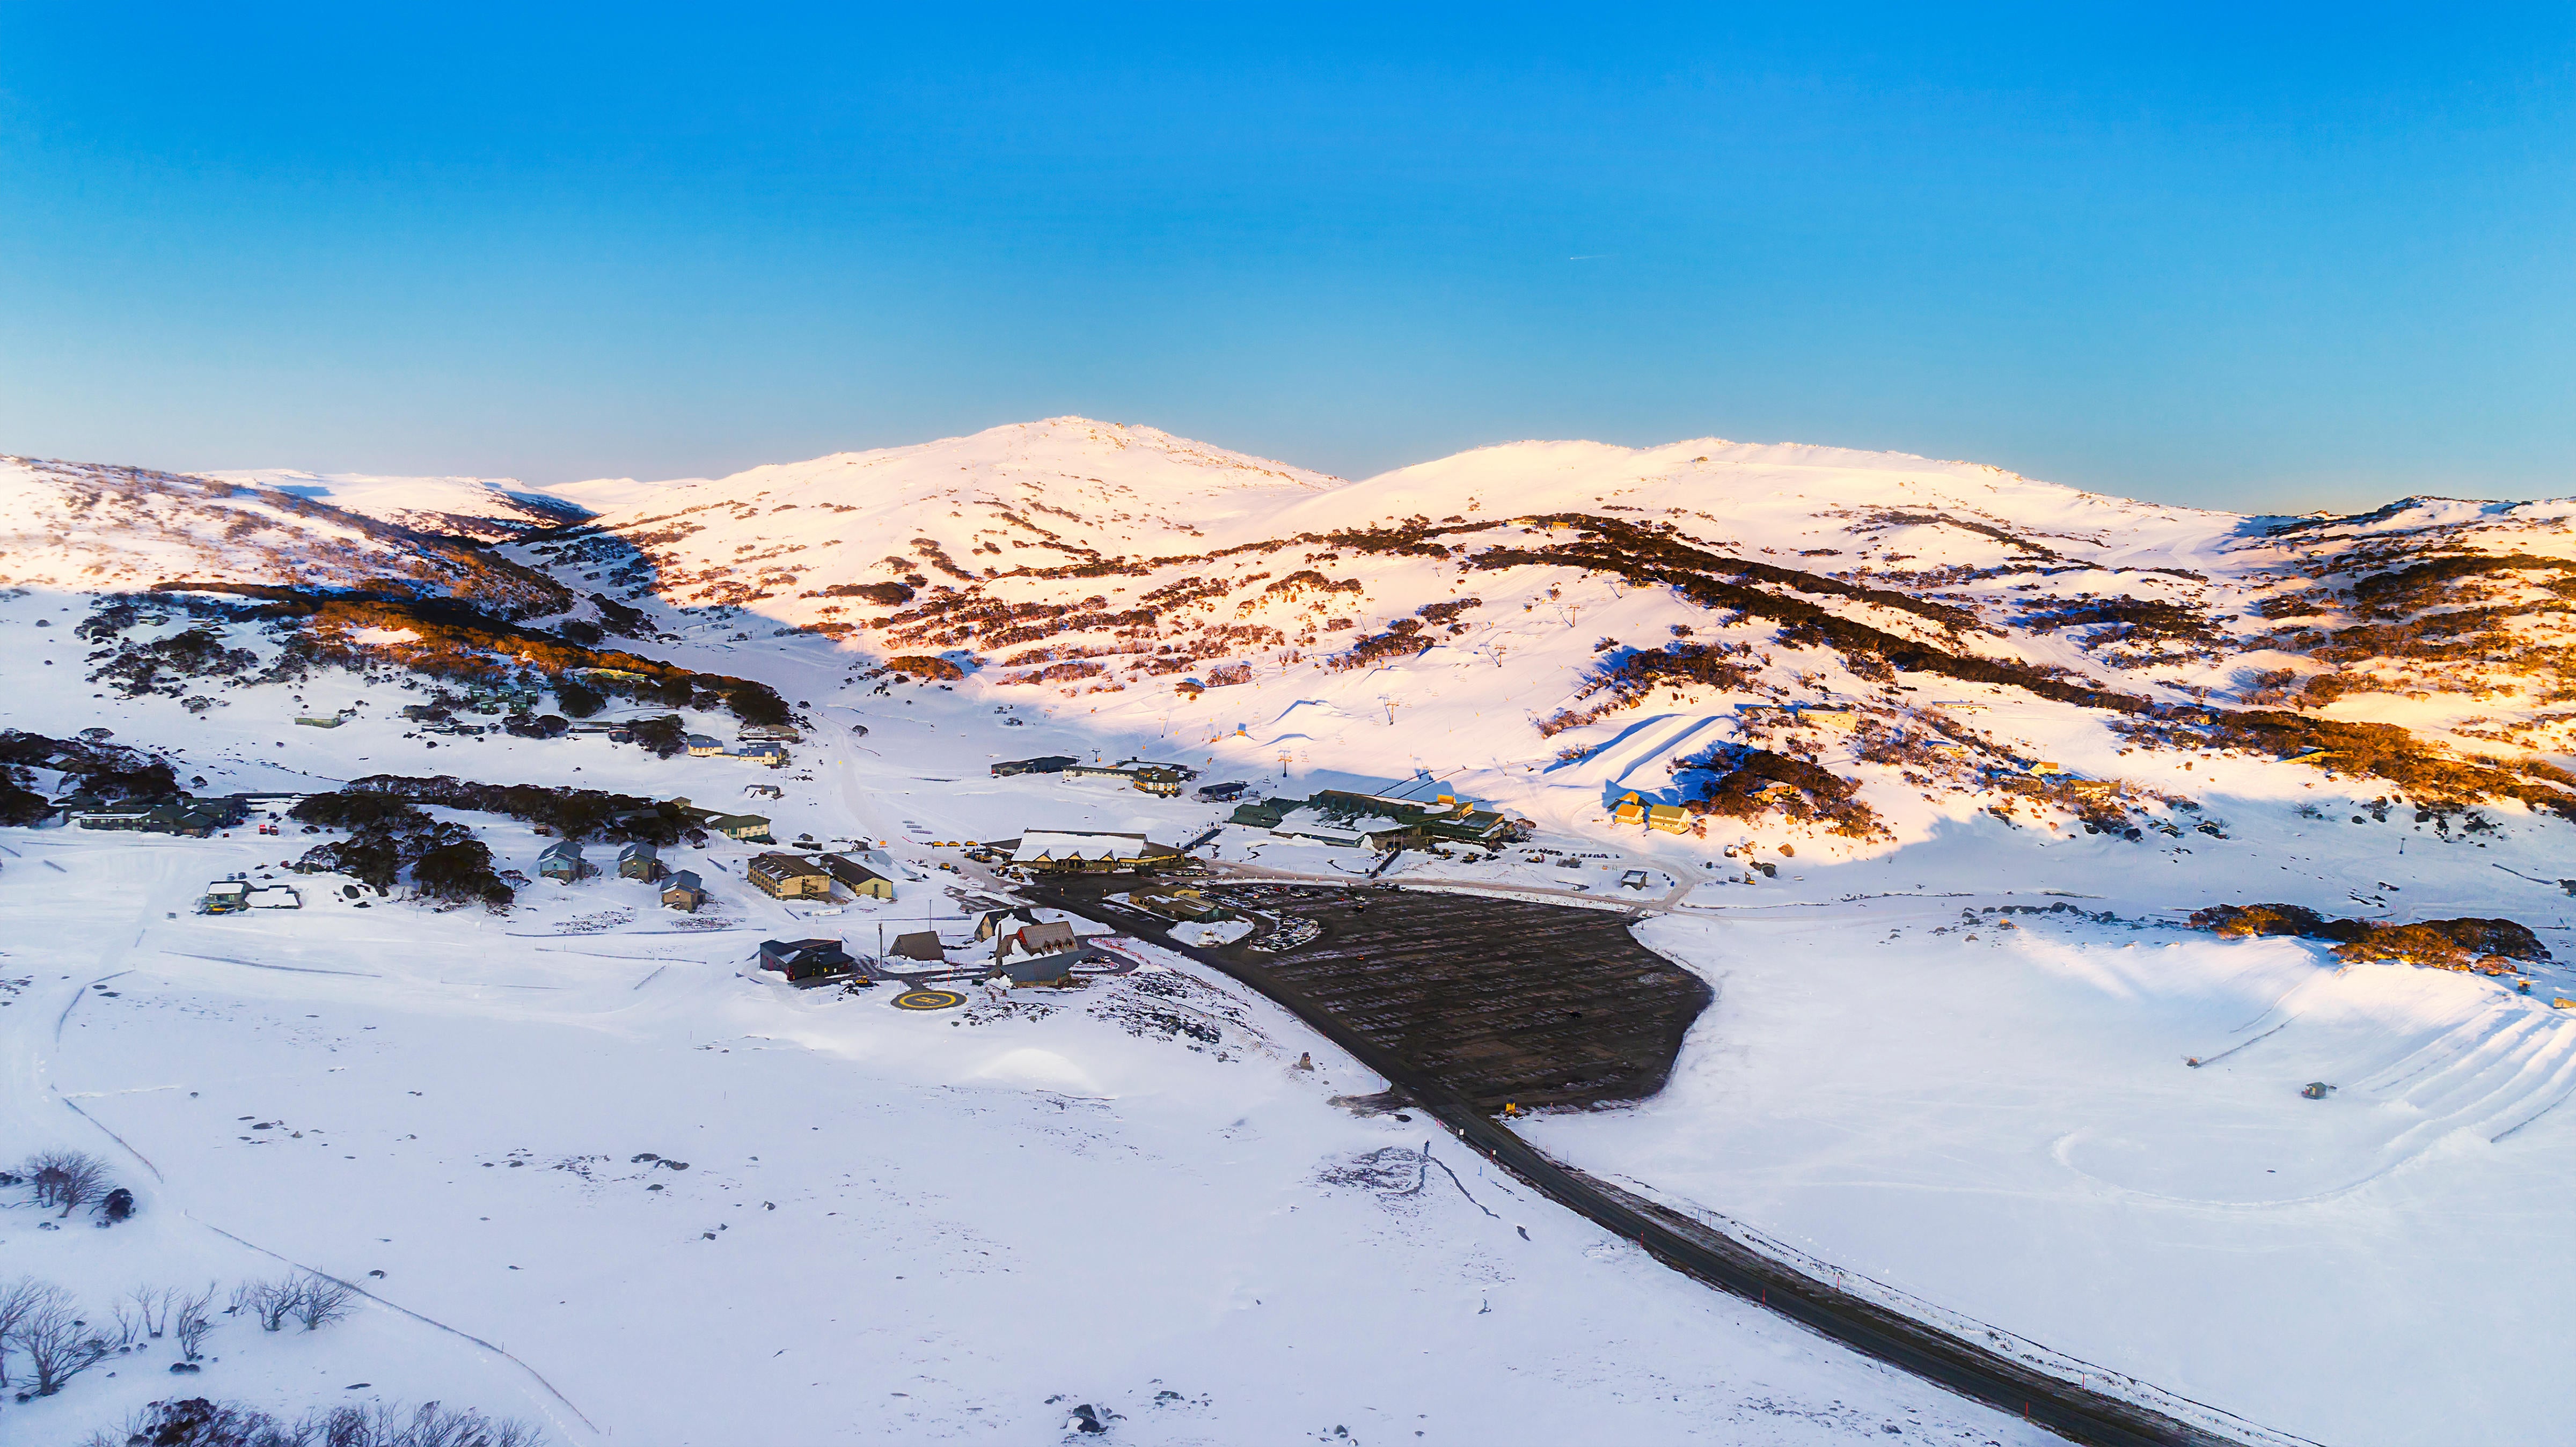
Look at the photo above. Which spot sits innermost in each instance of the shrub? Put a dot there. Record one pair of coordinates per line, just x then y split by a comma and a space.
923, 665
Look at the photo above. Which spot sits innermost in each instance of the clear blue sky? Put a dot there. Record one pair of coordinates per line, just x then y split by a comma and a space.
2257, 258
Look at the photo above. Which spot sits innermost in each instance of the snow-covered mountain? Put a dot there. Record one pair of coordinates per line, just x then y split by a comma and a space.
486, 509
93, 528
1716, 595
1963, 792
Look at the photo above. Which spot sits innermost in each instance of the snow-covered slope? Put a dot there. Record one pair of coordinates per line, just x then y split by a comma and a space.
486, 509
1540, 601
92, 528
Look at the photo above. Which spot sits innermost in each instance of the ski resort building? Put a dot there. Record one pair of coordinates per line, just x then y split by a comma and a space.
1052, 851
858, 878
786, 876
1043, 764
808, 962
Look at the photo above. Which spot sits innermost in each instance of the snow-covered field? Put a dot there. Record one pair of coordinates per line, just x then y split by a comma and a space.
899, 1225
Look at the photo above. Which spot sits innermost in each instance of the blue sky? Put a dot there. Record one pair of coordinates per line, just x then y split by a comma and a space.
2276, 260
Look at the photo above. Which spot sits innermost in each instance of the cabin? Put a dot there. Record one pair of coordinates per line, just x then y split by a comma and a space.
1034, 939
857, 878
1629, 810
773, 733
703, 747
562, 860
683, 892
639, 860
1044, 764
1670, 818
997, 920
761, 751
1161, 782
808, 962
920, 945
786, 876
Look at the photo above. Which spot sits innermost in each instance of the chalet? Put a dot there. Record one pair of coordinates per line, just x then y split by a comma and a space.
996, 921
920, 945
1068, 851
231, 896
760, 751
1629, 810
808, 962
1044, 764
1670, 818
683, 892
1160, 782
749, 828
857, 878
1033, 939
703, 747
639, 860
786, 876
562, 860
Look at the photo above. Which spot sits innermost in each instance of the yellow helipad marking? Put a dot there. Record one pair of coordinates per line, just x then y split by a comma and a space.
929, 1000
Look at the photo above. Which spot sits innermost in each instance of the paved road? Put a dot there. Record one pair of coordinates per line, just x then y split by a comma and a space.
1964, 1367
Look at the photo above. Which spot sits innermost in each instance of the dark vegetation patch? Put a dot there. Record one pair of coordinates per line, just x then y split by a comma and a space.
884, 595
925, 665
2140, 619
1631, 677
387, 835
2441, 781
455, 642
1752, 783
110, 771
572, 813
2420, 585
2452, 944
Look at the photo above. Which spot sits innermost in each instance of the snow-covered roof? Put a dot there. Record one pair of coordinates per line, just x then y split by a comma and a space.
1069, 844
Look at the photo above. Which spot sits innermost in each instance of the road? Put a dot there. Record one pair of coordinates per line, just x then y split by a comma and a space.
1967, 1368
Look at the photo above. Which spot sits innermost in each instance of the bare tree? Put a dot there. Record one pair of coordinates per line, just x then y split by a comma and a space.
120, 1314
271, 1301
58, 1344
320, 1302
69, 1179
17, 1299
152, 1308
198, 1422
191, 1318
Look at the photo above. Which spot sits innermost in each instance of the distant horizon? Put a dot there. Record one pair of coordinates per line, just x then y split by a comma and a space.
548, 485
